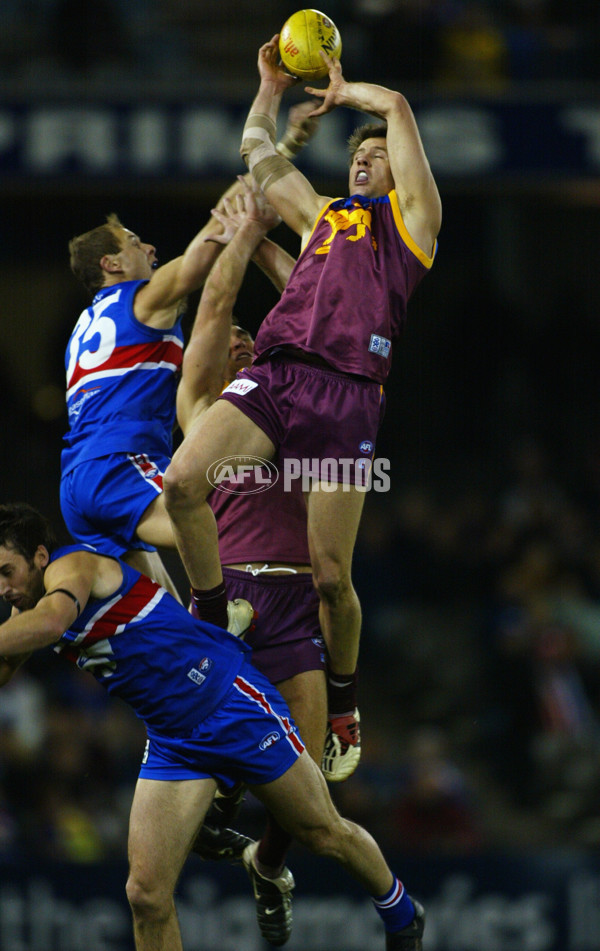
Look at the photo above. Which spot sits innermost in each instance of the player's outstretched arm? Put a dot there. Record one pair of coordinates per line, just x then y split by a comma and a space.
181, 276
288, 190
275, 262
415, 186
271, 258
245, 223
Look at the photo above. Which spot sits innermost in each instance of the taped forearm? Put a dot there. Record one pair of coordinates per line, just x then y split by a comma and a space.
259, 130
259, 152
291, 143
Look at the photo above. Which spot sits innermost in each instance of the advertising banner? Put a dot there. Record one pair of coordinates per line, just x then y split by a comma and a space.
530, 902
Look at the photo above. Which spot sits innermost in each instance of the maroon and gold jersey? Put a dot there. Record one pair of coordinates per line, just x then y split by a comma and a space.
262, 526
347, 296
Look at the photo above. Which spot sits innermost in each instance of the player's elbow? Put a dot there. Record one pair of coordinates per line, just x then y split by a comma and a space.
55, 632
52, 626
58, 620
397, 106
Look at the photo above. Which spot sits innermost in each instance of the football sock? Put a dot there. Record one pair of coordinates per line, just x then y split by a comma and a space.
395, 908
211, 605
226, 805
341, 693
273, 846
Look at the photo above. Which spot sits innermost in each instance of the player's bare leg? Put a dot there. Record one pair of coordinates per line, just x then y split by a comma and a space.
165, 817
333, 520
154, 528
301, 803
306, 696
150, 564
220, 432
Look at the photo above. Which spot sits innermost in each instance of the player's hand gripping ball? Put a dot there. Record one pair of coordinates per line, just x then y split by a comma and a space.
302, 36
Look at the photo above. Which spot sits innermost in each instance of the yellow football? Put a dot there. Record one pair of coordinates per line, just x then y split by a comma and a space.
302, 36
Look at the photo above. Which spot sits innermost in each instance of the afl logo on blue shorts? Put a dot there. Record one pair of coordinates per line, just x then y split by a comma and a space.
268, 740
366, 446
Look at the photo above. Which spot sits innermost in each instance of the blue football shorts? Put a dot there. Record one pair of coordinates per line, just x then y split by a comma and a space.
250, 738
103, 500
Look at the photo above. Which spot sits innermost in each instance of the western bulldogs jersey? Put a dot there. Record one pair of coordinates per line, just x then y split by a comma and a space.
143, 646
121, 380
346, 298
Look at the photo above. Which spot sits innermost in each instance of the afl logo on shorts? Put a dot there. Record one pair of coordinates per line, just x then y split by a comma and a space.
268, 740
366, 446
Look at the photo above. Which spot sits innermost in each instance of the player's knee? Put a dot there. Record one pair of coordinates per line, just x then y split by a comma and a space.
327, 840
148, 901
316, 839
180, 489
333, 583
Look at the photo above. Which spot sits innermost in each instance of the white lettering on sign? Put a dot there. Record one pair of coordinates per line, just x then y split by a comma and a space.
585, 120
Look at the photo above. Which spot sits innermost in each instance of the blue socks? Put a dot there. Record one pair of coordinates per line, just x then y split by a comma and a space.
395, 908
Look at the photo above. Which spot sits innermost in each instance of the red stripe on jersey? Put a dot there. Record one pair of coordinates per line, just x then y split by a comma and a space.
125, 609
162, 351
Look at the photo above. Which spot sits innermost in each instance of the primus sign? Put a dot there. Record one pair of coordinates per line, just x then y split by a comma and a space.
159, 140
473, 138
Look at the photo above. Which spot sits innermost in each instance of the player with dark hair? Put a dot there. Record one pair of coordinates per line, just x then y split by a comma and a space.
322, 355
264, 551
207, 712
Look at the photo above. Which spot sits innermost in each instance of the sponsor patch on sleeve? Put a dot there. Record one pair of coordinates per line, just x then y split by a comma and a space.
241, 387
380, 345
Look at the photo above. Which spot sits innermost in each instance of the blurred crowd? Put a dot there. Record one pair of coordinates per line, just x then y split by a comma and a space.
457, 45
480, 45
479, 685
482, 629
